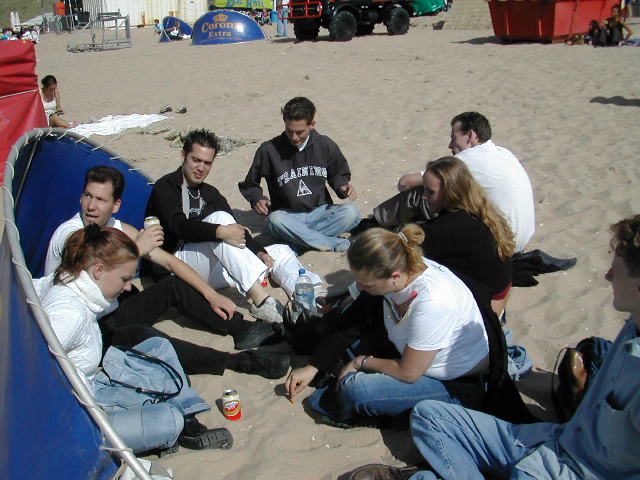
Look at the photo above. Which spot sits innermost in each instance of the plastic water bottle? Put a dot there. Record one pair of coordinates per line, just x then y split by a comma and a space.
304, 293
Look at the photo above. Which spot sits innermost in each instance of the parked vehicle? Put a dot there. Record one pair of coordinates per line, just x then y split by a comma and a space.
346, 18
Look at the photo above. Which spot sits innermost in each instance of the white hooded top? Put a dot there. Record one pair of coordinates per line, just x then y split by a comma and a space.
73, 310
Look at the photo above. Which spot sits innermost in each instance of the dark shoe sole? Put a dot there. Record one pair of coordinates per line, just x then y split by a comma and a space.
381, 423
214, 438
377, 471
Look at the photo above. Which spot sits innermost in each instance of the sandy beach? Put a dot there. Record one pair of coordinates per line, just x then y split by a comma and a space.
570, 113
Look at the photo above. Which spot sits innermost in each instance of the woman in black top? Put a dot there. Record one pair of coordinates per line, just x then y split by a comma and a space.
468, 235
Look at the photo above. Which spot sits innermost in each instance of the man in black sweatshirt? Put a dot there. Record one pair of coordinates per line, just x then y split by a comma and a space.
199, 229
296, 166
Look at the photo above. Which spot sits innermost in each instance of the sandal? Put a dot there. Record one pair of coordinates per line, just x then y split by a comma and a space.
166, 108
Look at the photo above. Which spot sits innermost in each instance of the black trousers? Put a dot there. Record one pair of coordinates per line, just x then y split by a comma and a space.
132, 321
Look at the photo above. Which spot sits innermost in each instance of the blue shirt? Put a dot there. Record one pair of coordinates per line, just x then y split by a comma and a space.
602, 439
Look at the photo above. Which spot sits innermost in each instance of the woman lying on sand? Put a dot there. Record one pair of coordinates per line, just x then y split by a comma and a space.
428, 339
469, 235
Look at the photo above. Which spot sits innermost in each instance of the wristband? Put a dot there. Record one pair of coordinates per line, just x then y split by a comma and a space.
363, 362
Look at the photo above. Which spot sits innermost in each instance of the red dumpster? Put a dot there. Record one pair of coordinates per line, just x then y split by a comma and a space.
546, 20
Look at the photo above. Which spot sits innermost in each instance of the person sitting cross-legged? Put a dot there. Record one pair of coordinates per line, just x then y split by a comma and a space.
600, 441
297, 165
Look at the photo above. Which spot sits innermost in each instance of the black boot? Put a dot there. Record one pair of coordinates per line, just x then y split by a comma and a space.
253, 334
196, 436
267, 365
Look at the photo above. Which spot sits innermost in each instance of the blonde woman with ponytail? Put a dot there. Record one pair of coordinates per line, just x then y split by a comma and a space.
468, 234
434, 344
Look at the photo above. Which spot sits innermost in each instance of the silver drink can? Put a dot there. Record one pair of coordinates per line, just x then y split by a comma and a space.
149, 221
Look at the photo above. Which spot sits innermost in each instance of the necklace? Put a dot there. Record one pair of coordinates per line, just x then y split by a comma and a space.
192, 195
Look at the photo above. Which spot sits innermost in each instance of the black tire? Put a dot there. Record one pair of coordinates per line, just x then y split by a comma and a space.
343, 26
365, 29
305, 29
398, 22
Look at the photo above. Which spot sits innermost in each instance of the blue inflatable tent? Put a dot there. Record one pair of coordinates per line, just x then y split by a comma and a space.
50, 426
179, 27
225, 26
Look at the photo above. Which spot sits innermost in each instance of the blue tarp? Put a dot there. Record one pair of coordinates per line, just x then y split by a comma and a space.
171, 23
225, 26
45, 432
50, 193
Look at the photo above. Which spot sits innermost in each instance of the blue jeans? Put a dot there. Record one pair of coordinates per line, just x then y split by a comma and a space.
317, 229
149, 426
283, 23
459, 443
143, 424
377, 394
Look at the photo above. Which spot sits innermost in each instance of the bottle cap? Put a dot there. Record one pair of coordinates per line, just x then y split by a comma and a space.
301, 271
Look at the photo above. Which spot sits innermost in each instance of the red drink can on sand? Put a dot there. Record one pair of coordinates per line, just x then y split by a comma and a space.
231, 405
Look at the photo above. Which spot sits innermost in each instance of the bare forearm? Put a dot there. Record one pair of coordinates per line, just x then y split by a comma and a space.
393, 368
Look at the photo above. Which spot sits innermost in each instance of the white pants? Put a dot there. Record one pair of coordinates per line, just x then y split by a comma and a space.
223, 265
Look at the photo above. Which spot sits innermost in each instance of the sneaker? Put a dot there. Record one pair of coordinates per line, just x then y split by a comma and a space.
256, 334
267, 364
270, 310
382, 423
382, 472
196, 436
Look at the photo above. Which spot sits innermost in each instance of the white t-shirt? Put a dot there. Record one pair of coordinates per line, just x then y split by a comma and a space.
59, 238
443, 316
507, 184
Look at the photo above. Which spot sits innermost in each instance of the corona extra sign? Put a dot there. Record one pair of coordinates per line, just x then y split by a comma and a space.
225, 26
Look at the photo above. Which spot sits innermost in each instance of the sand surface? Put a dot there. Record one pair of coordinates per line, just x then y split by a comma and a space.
571, 113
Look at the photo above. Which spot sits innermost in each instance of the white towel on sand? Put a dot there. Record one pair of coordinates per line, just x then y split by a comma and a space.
112, 124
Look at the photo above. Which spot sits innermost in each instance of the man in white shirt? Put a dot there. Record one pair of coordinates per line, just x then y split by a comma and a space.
185, 290
495, 168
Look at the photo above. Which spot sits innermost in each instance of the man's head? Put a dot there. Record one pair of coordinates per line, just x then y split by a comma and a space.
468, 130
299, 119
198, 151
624, 273
101, 194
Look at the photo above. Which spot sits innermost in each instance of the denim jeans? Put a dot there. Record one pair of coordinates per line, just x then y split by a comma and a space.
377, 394
142, 423
148, 427
317, 229
459, 443
283, 24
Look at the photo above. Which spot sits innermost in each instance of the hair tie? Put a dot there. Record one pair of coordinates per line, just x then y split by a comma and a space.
403, 237
92, 232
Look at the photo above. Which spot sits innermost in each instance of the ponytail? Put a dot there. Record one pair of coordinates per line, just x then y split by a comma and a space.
380, 252
91, 245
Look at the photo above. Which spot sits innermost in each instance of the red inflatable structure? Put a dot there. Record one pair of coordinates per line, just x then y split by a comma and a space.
21, 107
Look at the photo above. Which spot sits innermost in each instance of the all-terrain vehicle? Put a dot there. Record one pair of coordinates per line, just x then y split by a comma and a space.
346, 18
